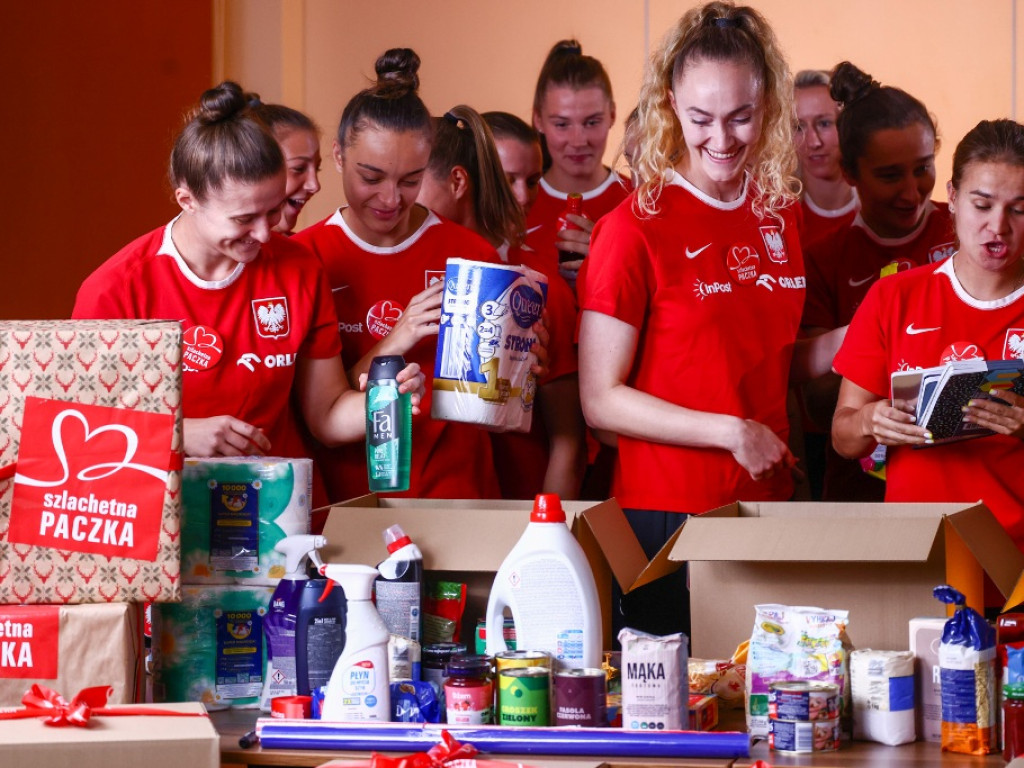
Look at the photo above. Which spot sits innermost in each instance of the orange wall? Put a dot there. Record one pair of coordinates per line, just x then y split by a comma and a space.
487, 54
93, 96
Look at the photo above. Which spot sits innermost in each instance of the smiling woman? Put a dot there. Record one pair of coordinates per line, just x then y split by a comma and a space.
255, 307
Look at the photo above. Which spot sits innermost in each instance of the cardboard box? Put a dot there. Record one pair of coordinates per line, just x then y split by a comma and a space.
138, 740
461, 540
71, 647
703, 712
90, 432
878, 561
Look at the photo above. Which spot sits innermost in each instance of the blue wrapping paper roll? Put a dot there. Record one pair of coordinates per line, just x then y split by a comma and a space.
583, 742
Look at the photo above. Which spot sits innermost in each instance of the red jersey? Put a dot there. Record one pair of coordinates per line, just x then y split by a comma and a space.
922, 319
522, 458
817, 223
841, 268
242, 335
716, 294
372, 286
542, 220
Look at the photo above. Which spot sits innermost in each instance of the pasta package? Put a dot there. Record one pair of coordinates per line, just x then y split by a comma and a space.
967, 673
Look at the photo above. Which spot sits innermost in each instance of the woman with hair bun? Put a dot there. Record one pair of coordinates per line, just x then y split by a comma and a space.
299, 138
693, 291
466, 183
573, 110
385, 258
828, 202
970, 305
245, 294
887, 141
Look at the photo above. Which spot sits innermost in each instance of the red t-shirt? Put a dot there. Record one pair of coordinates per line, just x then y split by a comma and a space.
922, 319
242, 335
542, 221
817, 223
841, 268
716, 294
522, 458
372, 286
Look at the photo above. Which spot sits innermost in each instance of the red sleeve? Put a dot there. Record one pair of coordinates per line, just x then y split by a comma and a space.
561, 307
323, 339
863, 357
820, 310
618, 277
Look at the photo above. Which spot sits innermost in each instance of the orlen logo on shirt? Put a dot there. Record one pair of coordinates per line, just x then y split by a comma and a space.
382, 317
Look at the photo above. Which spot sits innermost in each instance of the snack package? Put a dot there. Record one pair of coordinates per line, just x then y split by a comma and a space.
442, 611
795, 643
723, 678
967, 670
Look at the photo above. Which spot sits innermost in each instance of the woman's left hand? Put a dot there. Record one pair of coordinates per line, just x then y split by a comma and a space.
539, 350
1001, 419
410, 379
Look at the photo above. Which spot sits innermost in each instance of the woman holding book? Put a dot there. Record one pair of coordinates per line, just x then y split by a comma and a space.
970, 306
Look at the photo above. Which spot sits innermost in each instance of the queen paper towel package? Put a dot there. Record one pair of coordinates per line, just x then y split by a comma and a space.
482, 369
234, 510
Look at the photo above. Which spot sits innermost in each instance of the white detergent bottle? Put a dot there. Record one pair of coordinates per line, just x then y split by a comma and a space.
358, 689
547, 584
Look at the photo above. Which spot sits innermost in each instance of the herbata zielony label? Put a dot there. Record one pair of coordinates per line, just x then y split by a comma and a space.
28, 642
91, 479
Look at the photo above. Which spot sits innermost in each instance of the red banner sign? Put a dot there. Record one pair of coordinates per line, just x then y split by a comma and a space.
28, 641
91, 479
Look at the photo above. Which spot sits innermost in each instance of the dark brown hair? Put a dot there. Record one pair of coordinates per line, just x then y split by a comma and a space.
869, 107
567, 65
223, 140
392, 103
990, 141
281, 119
505, 125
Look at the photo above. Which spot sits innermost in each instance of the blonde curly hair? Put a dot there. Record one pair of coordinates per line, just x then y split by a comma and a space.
718, 31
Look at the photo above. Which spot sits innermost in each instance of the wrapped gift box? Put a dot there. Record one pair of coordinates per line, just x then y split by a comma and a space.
90, 435
71, 647
149, 740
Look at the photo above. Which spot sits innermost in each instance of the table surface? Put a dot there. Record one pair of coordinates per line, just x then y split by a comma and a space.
232, 724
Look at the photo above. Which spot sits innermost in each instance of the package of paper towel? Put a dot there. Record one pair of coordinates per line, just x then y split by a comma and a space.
482, 369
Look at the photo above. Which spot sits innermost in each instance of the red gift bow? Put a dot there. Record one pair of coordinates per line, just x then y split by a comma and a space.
449, 750
41, 701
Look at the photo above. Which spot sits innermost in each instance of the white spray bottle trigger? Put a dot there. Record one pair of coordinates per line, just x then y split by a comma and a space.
295, 550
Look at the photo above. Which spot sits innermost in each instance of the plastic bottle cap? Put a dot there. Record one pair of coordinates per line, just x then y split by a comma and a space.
386, 367
395, 538
547, 508
469, 666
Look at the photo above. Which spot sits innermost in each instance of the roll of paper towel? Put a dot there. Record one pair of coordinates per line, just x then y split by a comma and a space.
234, 510
482, 369
210, 647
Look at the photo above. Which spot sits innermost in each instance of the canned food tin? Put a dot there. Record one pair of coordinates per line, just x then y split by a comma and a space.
803, 700
523, 696
803, 737
580, 697
514, 659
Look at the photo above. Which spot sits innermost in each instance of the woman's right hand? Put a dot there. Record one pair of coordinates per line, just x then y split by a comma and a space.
760, 451
223, 436
419, 320
892, 424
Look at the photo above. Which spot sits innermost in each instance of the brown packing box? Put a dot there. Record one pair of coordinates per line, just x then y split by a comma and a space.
879, 561
130, 364
138, 740
97, 644
461, 540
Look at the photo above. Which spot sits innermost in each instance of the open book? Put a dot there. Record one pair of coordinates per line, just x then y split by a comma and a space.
940, 394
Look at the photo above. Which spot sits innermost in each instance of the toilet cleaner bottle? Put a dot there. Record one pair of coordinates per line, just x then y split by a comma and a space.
358, 689
399, 588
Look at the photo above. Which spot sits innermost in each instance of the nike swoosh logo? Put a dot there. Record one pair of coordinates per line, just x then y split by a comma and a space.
531, 230
339, 288
858, 283
912, 331
694, 254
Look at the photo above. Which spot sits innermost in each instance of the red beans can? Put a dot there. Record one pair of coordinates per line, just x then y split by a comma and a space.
580, 697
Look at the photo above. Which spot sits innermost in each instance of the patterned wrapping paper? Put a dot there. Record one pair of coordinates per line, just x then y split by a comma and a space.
127, 364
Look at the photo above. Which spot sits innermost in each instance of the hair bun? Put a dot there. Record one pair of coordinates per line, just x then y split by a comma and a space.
222, 102
396, 71
566, 47
849, 83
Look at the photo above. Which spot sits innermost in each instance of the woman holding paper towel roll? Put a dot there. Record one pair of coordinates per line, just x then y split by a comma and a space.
255, 307
693, 292
968, 306
385, 257
465, 182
